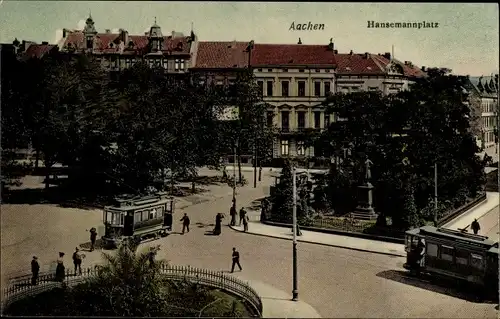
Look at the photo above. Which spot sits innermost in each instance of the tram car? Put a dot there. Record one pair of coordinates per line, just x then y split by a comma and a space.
452, 254
138, 218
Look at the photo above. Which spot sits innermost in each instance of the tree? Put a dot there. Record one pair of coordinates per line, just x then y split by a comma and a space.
404, 134
282, 201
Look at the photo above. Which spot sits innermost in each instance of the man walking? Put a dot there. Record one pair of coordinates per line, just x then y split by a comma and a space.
77, 260
245, 223
35, 269
185, 223
236, 260
475, 226
243, 213
93, 237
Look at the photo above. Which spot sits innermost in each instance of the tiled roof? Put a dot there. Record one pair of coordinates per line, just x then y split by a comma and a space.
103, 41
372, 64
38, 50
212, 55
291, 54
474, 80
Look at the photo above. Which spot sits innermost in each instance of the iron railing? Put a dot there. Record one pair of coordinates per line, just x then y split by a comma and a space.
21, 287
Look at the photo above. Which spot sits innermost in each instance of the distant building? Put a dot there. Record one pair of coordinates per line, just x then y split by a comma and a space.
296, 78
117, 51
484, 101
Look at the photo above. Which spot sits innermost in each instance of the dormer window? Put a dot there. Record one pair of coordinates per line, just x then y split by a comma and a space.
90, 42
111, 45
131, 44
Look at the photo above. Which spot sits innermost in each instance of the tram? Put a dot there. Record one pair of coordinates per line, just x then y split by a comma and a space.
452, 254
138, 218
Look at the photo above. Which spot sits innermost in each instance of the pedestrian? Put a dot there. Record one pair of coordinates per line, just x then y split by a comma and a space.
218, 223
93, 237
35, 269
245, 223
60, 269
236, 260
475, 226
185, 223
242, 215
299, 233
232, 212
77, 260
151, 256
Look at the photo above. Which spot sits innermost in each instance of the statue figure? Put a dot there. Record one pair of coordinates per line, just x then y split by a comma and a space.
368, 173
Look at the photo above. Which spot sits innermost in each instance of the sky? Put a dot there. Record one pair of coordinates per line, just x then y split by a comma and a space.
466, 39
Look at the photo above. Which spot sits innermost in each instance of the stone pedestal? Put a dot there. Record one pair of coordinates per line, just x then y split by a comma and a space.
365, 201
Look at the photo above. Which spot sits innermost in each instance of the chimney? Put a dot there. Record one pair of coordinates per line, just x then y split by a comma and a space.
350, 53
367, 55
387, 55
300, 41
146, 33
330, 45
108, 31
335, 51
45, 43
423, 68
124, 36
65, 32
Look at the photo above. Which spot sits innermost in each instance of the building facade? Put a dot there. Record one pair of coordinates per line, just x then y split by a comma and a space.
484, 100
175, 53
296, 78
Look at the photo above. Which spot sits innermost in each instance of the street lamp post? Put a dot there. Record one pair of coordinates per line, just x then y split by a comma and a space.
295, 292
234, 175
435, 195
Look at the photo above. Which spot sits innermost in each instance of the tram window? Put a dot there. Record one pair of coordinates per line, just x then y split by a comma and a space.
447, 253
476, 261
432, 250
144, 215
137, 217
462, 257
152, 214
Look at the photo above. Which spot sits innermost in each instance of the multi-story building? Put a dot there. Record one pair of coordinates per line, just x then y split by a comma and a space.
484, 100
175, 53
295, 79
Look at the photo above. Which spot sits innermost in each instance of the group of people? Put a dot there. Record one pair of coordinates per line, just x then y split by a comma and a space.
243, 217
60, 268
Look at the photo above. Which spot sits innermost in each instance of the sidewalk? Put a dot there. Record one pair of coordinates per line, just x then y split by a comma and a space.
311, 237
464, 220
267, 170
278, 303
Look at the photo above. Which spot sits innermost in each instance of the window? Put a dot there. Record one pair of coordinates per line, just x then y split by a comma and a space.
318, 70
302, 88
284, 88
432, 250
284, 120
462, 257
301, 119
372, 88
260, 70
145, 215
284, 147
327, 88
327, 120
152, 214
476, 261
269, 88
270, 116
182, 65
317, 119
137, 217
301, 150
177, 65
269, 70
447, 253
165, 64
301, 70
317, 88
261, 87
285, 70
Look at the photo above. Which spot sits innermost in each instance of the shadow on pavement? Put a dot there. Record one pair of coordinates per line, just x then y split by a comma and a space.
98, 245
210, 233
432, 284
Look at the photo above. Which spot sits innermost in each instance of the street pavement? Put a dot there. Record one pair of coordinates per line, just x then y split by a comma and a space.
333, 282
353, 243
487, 214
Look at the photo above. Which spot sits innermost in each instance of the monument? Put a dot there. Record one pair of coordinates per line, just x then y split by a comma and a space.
364, 210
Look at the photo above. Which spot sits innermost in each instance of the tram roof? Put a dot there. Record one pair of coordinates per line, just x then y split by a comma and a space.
456, 235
